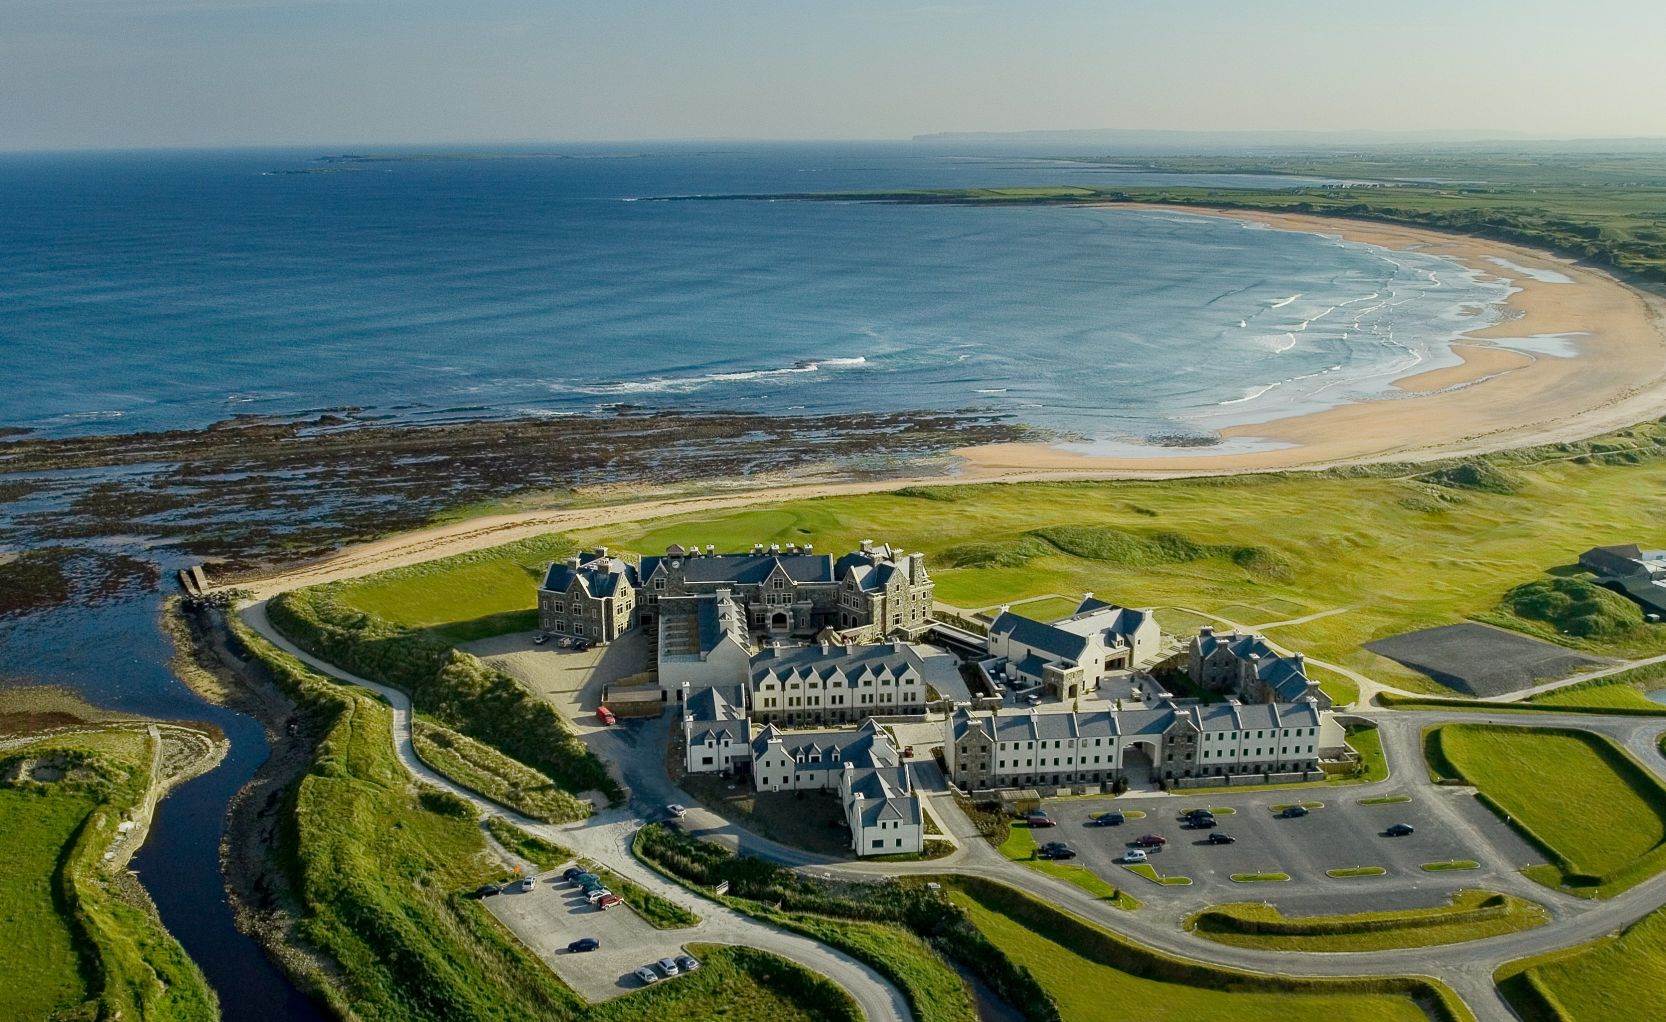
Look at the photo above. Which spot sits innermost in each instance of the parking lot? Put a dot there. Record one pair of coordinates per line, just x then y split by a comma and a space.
556, 913
1339, 835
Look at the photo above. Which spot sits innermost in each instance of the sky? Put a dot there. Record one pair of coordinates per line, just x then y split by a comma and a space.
163, 73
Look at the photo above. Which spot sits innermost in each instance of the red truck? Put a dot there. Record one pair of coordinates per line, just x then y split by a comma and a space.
606, 716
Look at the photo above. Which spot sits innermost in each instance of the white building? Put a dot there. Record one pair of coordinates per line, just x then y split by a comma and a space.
703, 642
838, 683
1073, 655
717, 736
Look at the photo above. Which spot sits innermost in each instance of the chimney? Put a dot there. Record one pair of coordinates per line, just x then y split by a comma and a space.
1087, 596
809, 548
775, 548
916, 566
710, 549
574, 561
757, 548
1206, 632
1005, 607
867, 546
601, 553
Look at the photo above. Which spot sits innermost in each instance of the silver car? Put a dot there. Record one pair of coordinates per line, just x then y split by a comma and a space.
647, 975
668, 966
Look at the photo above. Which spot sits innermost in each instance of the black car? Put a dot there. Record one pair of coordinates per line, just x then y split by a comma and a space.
1291, 812
1217, 838
487, 890
584, 944
1114, 818
1202, 822
572, 871
1194, 814
1056, 850
1399, 830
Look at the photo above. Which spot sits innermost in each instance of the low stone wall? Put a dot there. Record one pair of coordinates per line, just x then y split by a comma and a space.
1241, 780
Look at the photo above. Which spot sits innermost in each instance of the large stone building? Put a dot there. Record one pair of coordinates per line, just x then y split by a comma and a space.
1169, 741
796, 593
1073, 655
588, 596
701, 641
1246, 665
828, 683
862, 765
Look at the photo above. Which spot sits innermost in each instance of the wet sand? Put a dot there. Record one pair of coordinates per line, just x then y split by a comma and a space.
1496, 398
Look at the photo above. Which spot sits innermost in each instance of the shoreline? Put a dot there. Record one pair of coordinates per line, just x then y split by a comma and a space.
1495, 397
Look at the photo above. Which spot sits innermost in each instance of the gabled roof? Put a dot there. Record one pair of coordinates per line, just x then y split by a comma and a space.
745, 569
600, 576
1038, 635
887, 794
718, 713
853, 665
830, 750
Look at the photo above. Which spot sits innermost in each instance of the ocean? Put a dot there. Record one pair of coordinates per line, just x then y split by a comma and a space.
153, 291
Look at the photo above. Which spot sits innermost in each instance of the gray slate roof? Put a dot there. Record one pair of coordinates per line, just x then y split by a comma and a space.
600, 575
747, 569
1039, 635
851, 664
718, 712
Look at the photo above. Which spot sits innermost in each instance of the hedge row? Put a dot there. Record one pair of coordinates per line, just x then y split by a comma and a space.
453, 687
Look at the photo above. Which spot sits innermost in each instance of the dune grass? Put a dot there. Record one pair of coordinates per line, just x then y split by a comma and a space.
506, 781
1469, 915
77, 942
1596, 813
1093, 974
1400, 547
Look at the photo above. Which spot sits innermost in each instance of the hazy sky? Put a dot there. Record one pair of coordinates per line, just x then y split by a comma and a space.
121, 73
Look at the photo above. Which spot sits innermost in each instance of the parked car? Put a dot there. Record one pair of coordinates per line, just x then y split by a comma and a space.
607, 901
563, 642
1217, 838
527, 885
584, 944
668, 966
647, 975
598, 894
676, 810
1200, 813
687, 963
1202, 823
1113, 818
1151, 841
1133, 855
582, 877
1400, 830
1291, 812
1033, 700
540, 639
1056, 850
580, 645
572, 873
487, 890
593, 884
606, 716
1040, 819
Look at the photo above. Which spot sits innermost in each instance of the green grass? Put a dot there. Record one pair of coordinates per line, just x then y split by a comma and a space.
1385, 800
1349, 872
1260, 878
1020, 846
1092, 974
1604, 832
380, 871
468, 596
1149, 872
1051, 608
75, 941
1279, 807
1448, 865
1613, 977
506, 781
1469, 915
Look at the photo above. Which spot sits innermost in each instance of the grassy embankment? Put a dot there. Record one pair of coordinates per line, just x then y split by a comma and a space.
1470, 915
450, 687
1401, 547
903, 932
1091, 973
380, 868
76, 941
1612, 977
662, 913
506, 781
1603, 835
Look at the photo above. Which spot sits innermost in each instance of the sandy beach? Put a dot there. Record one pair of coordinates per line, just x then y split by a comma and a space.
1496, 398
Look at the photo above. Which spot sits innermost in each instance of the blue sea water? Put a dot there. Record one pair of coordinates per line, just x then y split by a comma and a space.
145, 291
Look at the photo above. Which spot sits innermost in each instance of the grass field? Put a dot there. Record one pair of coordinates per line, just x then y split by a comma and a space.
1093, 974
1470, 915
464, 597
1597, 814
1402, 548
75, 942
1614, 977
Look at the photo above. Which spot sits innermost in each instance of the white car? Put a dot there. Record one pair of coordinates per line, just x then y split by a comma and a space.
647, 975
527, 885
668, 966
674, 809
598, 894
1134, 855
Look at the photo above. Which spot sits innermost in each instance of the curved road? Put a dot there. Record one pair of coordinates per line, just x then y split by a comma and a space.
1467, 968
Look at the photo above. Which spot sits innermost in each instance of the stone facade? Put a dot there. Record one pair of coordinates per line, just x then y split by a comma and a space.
1246, 665
588, 596
1071, 656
